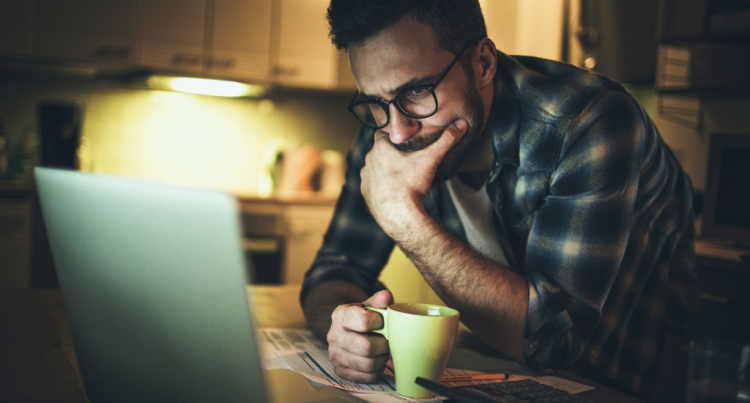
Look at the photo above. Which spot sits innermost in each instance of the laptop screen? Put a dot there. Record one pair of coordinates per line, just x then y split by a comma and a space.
154, 283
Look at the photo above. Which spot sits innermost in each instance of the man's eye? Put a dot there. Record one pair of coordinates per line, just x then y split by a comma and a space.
415, 94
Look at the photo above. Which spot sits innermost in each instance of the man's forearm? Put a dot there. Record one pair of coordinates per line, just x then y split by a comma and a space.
322, 300
492, 299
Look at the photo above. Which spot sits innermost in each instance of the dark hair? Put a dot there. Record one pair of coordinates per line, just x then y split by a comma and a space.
455, 22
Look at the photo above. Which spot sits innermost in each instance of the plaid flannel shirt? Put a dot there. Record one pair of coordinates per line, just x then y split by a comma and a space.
592, 209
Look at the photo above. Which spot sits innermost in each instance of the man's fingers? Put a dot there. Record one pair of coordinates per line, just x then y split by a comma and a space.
363, 345
361, 371
451, 135
381, 299
355, 367
355, 317
356, 353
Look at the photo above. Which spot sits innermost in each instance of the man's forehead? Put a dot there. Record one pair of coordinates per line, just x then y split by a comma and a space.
398, 57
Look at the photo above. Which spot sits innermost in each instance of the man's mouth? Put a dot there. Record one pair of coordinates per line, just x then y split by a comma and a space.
418, 143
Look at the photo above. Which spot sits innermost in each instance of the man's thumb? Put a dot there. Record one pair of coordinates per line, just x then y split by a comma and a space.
381, 299
453, 133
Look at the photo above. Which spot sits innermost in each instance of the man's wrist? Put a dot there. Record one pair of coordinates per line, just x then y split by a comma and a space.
322, 300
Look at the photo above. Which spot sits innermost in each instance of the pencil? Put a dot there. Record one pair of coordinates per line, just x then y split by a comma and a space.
477, 377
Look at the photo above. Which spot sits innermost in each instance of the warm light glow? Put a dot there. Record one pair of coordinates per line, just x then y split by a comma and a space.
209, 87
205, 86
589, 63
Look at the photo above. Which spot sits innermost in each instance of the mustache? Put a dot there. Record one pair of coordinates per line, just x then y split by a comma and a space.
418, 143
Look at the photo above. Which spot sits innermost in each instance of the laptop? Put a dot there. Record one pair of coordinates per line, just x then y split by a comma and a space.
154, 283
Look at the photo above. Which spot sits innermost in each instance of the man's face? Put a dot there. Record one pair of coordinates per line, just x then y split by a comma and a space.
405, 55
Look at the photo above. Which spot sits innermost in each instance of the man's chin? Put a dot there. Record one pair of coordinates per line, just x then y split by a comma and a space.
456, 156
447, 168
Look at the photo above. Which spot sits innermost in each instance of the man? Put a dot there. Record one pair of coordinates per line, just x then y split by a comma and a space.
534, 197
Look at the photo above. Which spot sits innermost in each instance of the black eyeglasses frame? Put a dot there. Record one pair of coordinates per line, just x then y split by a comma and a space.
384, 105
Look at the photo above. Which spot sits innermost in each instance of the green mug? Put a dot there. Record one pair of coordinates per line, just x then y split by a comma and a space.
421, 337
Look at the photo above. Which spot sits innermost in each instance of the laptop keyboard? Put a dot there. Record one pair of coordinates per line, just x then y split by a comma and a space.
523, 391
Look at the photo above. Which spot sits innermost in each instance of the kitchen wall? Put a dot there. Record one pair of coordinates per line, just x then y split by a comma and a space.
178, 138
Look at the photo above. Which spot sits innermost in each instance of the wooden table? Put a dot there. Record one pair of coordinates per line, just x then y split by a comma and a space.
38, 362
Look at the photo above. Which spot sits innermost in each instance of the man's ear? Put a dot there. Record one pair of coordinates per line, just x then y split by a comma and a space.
487, 62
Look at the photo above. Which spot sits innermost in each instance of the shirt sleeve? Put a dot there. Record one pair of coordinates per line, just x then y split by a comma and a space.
355, 248
579, 235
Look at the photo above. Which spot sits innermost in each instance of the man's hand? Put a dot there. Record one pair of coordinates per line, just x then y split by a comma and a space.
394, 182
356, 354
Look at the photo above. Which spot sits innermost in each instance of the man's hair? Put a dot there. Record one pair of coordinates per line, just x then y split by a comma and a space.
455, 22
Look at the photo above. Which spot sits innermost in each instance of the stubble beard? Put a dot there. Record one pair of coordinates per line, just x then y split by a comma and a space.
456, 156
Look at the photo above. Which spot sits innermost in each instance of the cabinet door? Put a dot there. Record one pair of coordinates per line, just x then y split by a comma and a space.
16, 27
306, 226
15, 243
88, 30
306, 57
241, 40
173, 32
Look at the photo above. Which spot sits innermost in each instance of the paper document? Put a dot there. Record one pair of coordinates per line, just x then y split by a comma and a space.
303, 352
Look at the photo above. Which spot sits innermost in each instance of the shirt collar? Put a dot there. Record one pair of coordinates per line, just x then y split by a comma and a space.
505, 115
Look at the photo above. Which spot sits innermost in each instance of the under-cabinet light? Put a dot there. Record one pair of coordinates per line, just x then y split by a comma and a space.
206, 86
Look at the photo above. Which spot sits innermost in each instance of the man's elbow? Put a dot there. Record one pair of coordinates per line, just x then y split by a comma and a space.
557, 353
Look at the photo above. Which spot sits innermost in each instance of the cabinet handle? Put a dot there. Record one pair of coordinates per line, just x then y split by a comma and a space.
113, 52
741, 307
278, 70
220, 63
13, 225
714, 298
186, 59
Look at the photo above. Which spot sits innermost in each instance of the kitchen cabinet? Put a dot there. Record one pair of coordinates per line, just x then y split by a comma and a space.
220, 39
17, 27
88, 30
291, 228
240, 40
703, 57
283, 42
173, 34
306, 225
724, 310
305, 56
16, 219
280, 42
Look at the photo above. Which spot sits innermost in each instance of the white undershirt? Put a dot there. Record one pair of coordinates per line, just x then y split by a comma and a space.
478, 218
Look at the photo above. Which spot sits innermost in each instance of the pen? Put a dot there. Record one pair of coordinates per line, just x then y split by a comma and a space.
477, 377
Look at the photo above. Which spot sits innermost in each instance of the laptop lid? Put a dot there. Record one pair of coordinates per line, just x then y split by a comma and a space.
153, 278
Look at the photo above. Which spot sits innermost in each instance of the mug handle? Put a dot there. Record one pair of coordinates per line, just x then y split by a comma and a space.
384, 313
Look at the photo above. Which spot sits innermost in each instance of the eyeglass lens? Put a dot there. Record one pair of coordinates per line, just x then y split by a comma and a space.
415, 102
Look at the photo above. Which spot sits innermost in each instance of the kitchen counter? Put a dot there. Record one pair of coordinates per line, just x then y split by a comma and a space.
303, 198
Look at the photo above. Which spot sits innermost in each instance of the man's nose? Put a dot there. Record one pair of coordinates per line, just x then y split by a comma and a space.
400, 127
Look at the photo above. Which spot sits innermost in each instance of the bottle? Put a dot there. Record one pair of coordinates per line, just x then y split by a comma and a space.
3, 149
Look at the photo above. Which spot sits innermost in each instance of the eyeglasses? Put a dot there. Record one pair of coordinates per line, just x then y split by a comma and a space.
416, 102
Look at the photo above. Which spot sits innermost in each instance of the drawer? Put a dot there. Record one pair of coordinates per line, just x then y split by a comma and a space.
15, 218
724, 310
